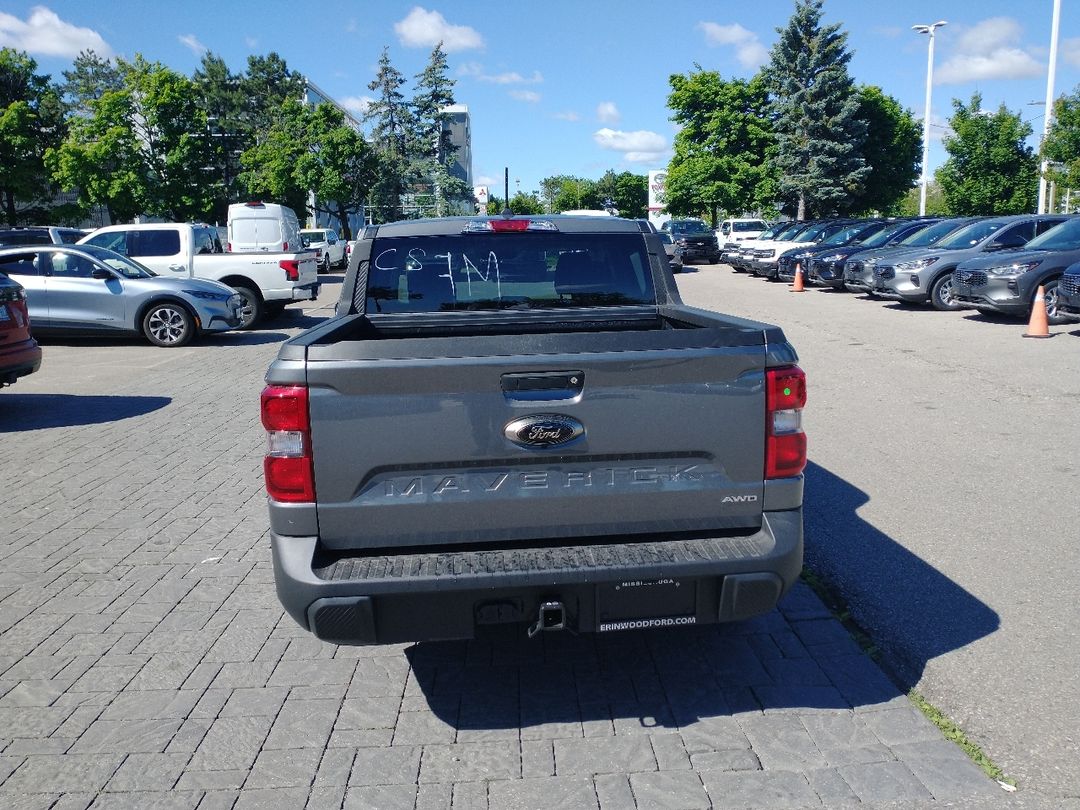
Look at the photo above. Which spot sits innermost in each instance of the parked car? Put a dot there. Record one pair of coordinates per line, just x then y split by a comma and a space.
740, 230
267, 282
329, 249
40, 235
674, 259
829, 268
766, 259
1068, 293
859, 274
850, 236
741, 256
92, 290
1008, 283
263, 227
19, 352
693, 240
928, 275
732, 251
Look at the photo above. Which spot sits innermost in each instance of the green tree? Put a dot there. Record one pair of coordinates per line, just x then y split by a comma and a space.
432, 149
90, 77
626, 192
142, 149
1062, 144
229, 128
565, 192
339, 166
391, 135
269, 165
935, 202
892, 150
816, 115
31, 122
990, 169
266, 85
723, 147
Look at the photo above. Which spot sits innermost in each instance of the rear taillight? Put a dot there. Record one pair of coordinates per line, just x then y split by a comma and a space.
285, 246
785, 442
288, 467
228, 247
291, 268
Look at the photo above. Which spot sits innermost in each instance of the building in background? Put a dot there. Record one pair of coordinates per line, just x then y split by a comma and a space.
461, 137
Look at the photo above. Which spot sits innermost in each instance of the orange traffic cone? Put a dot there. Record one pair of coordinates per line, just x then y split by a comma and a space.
799, 286
1037, 325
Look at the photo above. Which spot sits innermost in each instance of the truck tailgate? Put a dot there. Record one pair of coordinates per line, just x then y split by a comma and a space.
414, 451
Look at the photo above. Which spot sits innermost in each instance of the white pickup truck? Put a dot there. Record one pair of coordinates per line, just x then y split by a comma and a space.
266, 281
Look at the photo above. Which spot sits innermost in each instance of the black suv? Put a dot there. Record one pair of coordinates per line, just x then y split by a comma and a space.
39, 235
693, 240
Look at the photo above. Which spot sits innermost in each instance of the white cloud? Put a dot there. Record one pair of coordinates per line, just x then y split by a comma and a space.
357, 104
425, 29
989, 50
607, 113
748, 48
191, 42
525, 95
45, 34
568, 115
485, 180
640, 146
251, 42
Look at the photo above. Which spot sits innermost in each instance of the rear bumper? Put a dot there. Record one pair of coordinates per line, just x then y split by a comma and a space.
19, 360
445, 595
300, 292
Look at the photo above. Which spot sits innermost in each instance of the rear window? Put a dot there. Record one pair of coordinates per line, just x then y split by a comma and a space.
508, 271
157, 243
25, 238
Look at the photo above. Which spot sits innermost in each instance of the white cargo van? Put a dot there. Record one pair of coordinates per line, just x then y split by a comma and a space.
263, 227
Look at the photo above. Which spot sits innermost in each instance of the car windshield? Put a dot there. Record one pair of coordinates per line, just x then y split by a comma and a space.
932, 234
128, 268
689, 226
889, 233
971, 235
788, 231
753, 225
314, 236
772, 231
845, 235
508, 271
1065, 236
812, 233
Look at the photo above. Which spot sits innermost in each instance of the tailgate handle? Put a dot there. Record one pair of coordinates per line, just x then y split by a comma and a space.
548, 385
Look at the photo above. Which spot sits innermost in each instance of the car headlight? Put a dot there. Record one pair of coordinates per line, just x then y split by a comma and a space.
833, 257
1014, 269
917, 264
209, 296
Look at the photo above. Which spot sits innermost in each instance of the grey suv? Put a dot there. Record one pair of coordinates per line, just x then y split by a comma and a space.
928, 276
859, 273
1008, 283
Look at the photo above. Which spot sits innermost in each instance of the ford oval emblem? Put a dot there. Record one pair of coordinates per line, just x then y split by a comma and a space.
544, 430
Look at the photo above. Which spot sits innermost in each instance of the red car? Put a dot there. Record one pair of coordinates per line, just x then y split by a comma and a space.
19, 352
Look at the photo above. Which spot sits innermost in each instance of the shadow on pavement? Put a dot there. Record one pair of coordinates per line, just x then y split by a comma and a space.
36, 411
913, 611
795, 657
253, 338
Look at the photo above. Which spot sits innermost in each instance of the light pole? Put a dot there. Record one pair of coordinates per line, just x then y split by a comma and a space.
927, 29
1044, 165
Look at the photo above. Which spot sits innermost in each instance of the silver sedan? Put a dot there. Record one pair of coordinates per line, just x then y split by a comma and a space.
92, 290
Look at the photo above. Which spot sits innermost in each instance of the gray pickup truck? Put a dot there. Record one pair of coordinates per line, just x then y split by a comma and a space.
517, 420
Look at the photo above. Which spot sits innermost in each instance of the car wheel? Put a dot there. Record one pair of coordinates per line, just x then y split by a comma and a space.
252, 308
941, 293
324, 265
1050, 293
168, 324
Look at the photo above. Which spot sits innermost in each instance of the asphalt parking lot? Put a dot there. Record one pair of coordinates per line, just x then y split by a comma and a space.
144, 660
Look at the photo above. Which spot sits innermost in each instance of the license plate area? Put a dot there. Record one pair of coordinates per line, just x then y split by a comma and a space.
644, 603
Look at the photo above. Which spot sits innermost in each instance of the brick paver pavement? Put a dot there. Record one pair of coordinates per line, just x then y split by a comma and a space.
145, 662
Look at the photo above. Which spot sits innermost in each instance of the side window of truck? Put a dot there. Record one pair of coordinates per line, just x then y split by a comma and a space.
116, 241
156, 243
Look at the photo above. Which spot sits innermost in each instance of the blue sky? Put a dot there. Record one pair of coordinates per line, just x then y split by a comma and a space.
567, 87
